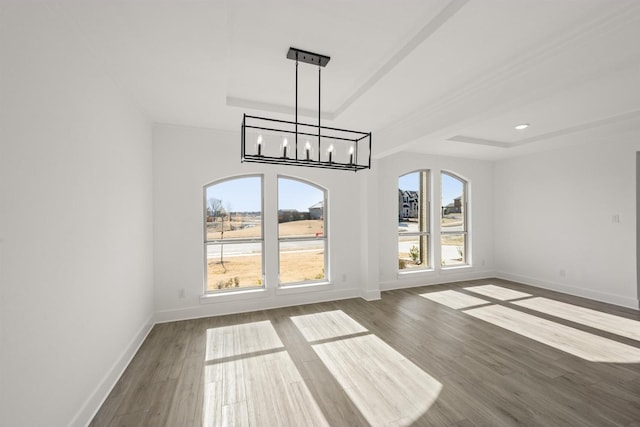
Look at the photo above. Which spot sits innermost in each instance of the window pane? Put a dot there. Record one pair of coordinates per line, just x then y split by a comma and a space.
413, 218
453, 249
302, 261
413, 202
234, 265
452, 208
413, 252
234, 209
300, 209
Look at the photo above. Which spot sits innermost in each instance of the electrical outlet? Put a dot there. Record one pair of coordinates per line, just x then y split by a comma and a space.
181, 293
563, 273
344, 277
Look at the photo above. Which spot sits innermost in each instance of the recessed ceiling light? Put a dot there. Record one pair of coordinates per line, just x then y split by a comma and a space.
522, 126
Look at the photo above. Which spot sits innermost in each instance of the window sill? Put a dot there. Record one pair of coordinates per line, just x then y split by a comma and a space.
241, 295
303, 287
455, 267
413, 272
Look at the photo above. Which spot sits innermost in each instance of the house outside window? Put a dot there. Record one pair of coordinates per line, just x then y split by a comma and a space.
453, 221
413, 222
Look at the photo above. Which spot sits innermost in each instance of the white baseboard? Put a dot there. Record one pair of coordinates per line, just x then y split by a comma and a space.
373, 295
95, 400
413, 280
571, 290
244, 306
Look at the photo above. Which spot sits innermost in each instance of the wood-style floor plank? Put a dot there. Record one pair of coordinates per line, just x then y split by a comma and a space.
427, 356
574, 341
596, 319
497, 292
453, 299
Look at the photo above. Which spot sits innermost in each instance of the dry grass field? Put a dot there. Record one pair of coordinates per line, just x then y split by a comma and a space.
294, 267
452, 239
240, 228
244, 270
222, 275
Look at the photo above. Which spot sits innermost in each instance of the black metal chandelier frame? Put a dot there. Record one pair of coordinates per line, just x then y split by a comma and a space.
358, 142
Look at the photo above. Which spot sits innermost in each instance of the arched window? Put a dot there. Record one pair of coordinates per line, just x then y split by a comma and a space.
453, 221
302, 232
233, 234
413, 221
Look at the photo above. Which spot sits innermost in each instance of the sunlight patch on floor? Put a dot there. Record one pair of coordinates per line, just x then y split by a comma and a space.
573, 341
585, 316
454, 299
387, 388
235, 340
497, 292
251, 380
325, 325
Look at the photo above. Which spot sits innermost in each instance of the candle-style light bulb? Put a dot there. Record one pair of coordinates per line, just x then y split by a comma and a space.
307, 149
351, 155
259, 145
285, 143
331, 153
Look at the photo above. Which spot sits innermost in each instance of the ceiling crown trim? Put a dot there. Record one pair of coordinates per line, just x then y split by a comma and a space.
425, 32
449, 107
479, 141
609, 121
631, 115
392, 60
232, 101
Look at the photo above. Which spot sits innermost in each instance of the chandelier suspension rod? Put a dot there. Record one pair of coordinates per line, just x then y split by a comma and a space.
296, 105
319, 68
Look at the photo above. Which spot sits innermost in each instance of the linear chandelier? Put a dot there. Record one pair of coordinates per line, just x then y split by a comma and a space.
282, 142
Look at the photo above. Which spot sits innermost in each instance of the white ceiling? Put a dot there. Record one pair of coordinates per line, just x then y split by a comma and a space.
450, 77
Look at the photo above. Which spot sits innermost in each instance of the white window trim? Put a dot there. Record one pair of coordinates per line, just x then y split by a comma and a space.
428, 233
306, 285
466, 232
232, 291
233, 295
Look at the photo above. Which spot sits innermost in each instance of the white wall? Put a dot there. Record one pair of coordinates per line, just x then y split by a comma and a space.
554, 218
365, 249
479, 175
78, 253
184, 161
75, 231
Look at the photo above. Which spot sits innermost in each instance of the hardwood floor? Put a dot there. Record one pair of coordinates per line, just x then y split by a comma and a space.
480, 353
